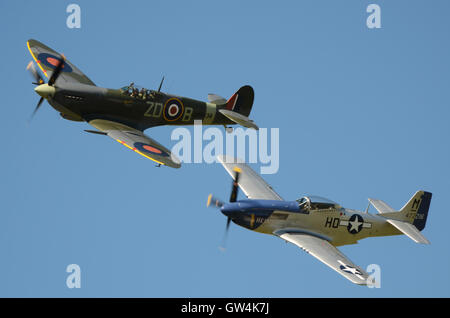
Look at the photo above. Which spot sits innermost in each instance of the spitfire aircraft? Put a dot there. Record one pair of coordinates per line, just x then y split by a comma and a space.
317, 225
123, 114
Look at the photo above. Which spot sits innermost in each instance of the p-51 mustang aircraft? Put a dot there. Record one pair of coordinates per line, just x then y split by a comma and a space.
317, 225
123, 114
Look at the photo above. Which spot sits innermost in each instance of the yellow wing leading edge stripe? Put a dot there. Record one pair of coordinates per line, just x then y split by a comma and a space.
36, 60
137, 151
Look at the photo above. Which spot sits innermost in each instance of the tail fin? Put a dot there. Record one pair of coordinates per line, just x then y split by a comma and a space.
241, 101
415, 211
411, 218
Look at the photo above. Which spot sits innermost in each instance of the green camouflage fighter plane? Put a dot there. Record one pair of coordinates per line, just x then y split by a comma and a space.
123, 114
315, 224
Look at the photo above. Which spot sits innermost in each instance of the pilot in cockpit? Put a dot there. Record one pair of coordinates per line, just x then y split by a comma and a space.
316, 203
130, 88
304, 203
142, 93
137, 92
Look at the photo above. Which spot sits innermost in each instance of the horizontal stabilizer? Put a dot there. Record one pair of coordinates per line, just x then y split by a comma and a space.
238, 118
409, 230
381, 206
414, 212
216, 99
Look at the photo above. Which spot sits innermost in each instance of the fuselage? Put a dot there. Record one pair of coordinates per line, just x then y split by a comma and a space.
81, 102
338, 225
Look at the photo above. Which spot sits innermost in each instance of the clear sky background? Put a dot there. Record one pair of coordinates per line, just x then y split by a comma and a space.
362, 113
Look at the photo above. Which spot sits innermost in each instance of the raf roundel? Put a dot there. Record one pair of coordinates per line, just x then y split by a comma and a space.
173, 109
52, 61
146, 148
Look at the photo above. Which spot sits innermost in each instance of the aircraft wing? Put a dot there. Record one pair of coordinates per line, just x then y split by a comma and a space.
250, 182
47, 59
137, 141
329, 255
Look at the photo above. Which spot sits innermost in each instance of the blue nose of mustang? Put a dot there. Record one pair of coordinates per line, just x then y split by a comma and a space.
231, 210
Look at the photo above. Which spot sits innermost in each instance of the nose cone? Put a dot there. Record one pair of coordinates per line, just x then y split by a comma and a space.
225, 211
45, 90
230, 209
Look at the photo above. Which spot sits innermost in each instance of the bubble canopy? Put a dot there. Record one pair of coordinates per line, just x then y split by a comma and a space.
314, 202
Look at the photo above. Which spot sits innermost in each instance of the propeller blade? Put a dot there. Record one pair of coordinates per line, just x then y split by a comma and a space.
37, 107
235, 186
212, 200
228, 224
36, 76
57, 71
225, 236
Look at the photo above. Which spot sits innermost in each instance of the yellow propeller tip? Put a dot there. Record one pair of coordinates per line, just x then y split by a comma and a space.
237, 169
209, 200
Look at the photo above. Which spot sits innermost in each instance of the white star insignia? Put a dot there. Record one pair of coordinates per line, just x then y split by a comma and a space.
351, 270
355, 224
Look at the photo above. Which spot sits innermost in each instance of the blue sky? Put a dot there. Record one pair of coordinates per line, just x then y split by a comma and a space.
362, 113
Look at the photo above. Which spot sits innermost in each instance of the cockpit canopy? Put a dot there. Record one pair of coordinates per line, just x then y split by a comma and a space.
137, 92
313, 202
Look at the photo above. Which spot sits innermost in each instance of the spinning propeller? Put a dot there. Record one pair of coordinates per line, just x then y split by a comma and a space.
45, 90
37, 77
217, 203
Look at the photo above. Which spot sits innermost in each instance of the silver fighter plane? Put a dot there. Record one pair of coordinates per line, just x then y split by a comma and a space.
315, 224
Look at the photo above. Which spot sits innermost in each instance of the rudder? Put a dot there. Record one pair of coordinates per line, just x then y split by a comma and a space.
241, 101
415, 211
